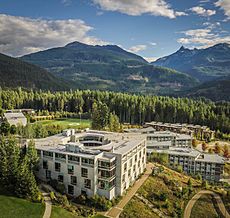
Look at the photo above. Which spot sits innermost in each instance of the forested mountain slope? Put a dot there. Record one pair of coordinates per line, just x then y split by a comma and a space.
214, 90
204, 64
17, 73
108, 67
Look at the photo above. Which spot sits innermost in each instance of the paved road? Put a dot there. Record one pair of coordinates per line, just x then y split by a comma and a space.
217, 198
114, 212
48, 205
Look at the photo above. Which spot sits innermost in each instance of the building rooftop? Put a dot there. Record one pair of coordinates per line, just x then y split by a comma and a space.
117, 143
15, 118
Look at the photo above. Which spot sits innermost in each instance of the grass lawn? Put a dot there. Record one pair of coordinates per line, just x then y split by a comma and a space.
58, 212
204, 208
13, 207
67, 123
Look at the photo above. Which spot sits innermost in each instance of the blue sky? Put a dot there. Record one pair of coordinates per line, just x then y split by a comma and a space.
150, 28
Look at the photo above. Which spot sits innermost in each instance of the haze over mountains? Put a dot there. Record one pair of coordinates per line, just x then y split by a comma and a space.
109, 67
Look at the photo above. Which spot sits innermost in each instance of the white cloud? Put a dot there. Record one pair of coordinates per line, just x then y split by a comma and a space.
202, 11
150, 59
139, 7
225, 5
153, 43
202, 38
137, 48
21, 35
66, 2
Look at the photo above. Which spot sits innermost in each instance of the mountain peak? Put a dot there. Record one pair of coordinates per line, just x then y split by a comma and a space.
182, 49
75, 44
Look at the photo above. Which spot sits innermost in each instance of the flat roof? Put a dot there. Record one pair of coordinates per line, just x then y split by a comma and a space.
117, 143
14, 116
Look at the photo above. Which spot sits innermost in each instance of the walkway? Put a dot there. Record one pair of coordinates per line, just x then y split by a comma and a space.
114, 212
48, 205
217, 198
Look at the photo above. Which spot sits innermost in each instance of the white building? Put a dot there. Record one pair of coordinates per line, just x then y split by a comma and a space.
180, 152
15, 118
92, 162
209, 166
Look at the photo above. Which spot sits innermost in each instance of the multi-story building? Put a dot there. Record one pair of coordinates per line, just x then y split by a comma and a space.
197, 131
209, 166
153, 136
180, 152
92, 162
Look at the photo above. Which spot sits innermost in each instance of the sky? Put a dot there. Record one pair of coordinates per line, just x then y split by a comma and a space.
150, 28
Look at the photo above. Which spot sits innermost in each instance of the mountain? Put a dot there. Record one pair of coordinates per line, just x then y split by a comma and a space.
17, 73
203, 64
214, 90
108, 67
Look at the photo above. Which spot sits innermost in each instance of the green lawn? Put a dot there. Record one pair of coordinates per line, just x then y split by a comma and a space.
66, 123
58, 212
204, 208
12, 207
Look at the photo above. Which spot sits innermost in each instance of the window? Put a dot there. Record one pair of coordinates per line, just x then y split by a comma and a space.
123, 178
130, 162
73, 180
136, 158
87, 161
73, 159
57, 167
47, 154
140, 154
87, 183
84, 172
129, 172
125, 167
60, 156
139, 163
45, 164
48, 174
60, 178
70, 189
70, 169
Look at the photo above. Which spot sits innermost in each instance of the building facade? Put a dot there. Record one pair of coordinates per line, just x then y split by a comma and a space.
209, 166
197, 131
92, 162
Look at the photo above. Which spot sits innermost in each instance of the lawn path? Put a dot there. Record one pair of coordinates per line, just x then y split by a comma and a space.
48, 205
217, 198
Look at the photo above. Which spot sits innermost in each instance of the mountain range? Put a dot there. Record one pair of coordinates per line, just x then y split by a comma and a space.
187, 72
203, 64
109, 67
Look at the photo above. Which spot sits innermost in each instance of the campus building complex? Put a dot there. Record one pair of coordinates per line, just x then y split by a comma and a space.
92, 162
197, 131
178, 148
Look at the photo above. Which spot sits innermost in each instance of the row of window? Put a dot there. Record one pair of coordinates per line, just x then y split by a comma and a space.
70, 168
